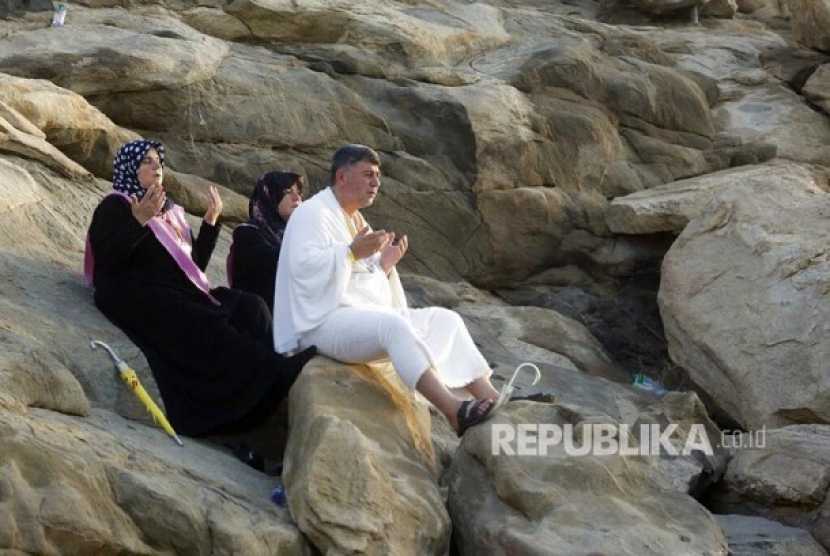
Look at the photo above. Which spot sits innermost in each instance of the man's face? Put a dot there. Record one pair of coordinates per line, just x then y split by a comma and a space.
358, 185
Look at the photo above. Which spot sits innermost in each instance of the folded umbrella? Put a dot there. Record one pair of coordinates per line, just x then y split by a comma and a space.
131, 379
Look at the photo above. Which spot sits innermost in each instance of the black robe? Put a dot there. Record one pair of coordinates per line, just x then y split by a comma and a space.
253, 265
215, 365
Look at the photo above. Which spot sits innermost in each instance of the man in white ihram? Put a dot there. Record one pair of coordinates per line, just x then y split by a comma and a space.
337, 288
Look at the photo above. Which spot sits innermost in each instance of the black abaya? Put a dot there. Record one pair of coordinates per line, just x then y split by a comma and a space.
215, 365
253, 265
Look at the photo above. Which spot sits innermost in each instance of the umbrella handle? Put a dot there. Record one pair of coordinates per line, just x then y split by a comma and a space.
508, 388
118, 361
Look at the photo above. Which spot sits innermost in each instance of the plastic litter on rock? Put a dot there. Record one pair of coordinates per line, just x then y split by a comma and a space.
278, 495
644, 382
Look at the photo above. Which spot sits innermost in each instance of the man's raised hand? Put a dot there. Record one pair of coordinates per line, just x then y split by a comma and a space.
393, 252
368, 243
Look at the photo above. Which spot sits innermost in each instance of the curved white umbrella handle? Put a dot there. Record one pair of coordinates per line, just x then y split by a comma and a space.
508, 388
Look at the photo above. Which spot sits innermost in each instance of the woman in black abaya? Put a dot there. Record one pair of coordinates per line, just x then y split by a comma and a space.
210, 350
253, 256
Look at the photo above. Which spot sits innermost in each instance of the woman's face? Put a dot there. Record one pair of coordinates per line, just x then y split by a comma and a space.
291, 199
150, 170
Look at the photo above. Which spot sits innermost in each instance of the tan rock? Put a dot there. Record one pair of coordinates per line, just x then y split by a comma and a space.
168, 55
359, 465
750, 6
67, 121
817, 87
558, 502
423, 291
810, 21
20, 188
104, 485
30, 146
777, 115
537, 334
753, 107
48, 317
740, 297
720, 8
668, 6
782, 474
670, 207
95, 484
19, 121
216, 23
437, 33
190, 192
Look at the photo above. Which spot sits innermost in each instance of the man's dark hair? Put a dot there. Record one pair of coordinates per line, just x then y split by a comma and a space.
351, 155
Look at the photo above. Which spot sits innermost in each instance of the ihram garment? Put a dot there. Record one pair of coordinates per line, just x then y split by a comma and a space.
353, 312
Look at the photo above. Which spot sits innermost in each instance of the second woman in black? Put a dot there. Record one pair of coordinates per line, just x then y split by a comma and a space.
253, 256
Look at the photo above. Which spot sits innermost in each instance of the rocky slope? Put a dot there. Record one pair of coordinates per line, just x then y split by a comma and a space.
598, 188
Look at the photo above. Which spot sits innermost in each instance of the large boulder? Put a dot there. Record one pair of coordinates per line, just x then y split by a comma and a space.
393, 33
157, 53
35, 147
754, 107
191, 192
670, 207
75, 476
546, 153
721, 8
538, 334
780, 474
359, 466
64, 119
810, 20
566, 497
48, 314
741, 296
102, 485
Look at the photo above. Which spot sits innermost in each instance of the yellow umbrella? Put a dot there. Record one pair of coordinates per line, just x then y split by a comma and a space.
131, 379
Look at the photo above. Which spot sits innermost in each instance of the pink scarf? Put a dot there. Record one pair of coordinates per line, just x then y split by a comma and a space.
180, 248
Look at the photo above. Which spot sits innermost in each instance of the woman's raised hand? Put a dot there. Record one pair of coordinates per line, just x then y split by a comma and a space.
214, 206
149, 205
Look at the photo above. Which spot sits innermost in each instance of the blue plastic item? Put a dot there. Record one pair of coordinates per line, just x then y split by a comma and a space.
278, 495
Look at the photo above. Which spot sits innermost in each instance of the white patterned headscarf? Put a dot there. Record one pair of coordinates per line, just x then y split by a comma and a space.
127, 160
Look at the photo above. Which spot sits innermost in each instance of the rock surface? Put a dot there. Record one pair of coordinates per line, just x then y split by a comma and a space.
547, 151
670, 207
811, 23
555, 501
779, 474
762, 361
756, 536
362, 482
